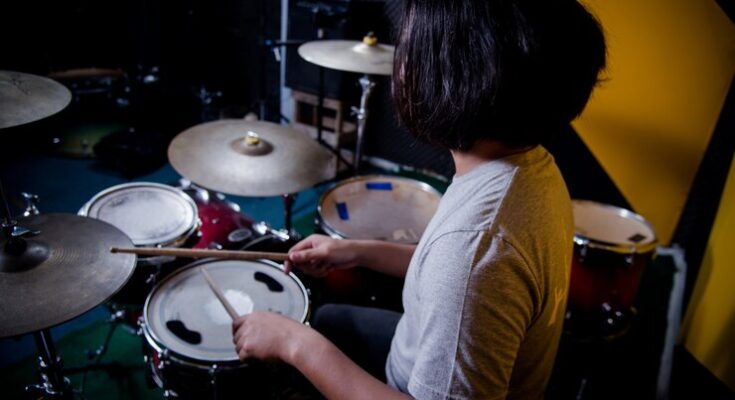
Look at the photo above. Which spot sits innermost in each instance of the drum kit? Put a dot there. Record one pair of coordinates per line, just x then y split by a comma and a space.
55, 267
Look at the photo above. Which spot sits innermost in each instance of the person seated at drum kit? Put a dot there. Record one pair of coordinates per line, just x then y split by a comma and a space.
485, 288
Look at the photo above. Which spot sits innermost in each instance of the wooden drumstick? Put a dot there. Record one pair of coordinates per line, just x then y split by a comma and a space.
202, 253
217, 292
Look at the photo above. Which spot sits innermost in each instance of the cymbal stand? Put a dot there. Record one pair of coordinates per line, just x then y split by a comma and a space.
367, 85
12, 231
288, 201
54, 385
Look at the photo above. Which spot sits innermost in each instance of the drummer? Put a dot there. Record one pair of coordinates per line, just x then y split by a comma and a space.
485, 288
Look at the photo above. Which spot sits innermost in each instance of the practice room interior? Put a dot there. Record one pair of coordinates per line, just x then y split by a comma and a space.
247, 125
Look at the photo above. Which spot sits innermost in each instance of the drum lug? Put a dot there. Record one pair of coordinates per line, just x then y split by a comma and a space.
162, 359
582, 253
141, 326
213, 370
629, 258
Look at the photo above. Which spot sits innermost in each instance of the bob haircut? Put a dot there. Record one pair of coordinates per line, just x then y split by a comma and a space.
514, 71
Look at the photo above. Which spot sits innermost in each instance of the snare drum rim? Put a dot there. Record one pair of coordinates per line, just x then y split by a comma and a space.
157, 344
619, 248
334, 232
181, 239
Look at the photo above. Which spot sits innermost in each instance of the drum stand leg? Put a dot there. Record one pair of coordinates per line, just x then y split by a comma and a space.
54, 385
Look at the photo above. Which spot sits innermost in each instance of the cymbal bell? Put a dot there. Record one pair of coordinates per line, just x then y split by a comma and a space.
350, 56
63, 272
26, 98
249, 158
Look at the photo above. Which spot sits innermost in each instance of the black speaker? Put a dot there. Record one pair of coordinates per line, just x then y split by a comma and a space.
341, 19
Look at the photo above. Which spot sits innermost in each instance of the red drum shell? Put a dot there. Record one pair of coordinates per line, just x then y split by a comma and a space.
220, 218
612, 246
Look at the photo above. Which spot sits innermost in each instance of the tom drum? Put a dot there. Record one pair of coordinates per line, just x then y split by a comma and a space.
151, 214
612, 246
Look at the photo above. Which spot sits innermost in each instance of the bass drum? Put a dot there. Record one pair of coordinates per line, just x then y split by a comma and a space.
188, 333
379, 207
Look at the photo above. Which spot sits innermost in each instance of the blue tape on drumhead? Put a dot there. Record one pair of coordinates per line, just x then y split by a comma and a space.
379, 185
342, 211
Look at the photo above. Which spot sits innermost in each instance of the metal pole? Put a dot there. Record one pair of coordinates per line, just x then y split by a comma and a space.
51, 367
7, 216
288, 200
320, 94
361, 113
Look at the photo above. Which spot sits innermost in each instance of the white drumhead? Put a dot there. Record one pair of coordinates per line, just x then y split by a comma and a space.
612, 225
149, 213
184, 316
379, 207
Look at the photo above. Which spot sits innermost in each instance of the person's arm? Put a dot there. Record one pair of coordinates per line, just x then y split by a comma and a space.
319, 254
477, 298
265, 335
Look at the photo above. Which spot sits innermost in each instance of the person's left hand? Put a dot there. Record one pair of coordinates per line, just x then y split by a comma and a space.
265, 336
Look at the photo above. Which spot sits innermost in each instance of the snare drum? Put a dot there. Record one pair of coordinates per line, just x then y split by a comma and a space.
188, 332
390, 208
612, 246
379, 207
151, 214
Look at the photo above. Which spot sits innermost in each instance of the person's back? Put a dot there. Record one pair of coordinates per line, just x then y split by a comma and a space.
484, 294
486, 289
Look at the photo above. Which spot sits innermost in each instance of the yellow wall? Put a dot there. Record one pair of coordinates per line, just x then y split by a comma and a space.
708, 331
670, 63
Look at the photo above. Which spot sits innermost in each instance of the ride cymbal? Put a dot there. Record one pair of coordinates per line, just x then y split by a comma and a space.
249, 158
363, 57
26, 98
64, 271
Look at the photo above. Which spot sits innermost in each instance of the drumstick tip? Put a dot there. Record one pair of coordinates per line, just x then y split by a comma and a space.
113, 249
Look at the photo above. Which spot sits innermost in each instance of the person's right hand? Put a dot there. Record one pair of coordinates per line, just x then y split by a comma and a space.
317, 255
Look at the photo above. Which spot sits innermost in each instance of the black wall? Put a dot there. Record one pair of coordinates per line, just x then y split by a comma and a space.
192, 44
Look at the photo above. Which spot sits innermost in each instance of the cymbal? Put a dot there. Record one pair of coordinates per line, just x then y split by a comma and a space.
249, 158
65, 271
26, 98
350, 56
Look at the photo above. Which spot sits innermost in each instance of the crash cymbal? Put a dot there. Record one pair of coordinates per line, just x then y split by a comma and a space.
63, 272
26, 98
249, 158
366, 57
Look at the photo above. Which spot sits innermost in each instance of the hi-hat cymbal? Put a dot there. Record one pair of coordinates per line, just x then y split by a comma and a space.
249, 158
350, 56
65, 271
26, 98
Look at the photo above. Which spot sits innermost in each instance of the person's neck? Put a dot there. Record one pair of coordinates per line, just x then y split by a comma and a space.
483, 151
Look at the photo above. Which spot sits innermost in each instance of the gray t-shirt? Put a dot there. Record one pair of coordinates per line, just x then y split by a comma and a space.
485, 291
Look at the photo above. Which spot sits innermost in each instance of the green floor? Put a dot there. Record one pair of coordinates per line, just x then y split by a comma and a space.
126, 382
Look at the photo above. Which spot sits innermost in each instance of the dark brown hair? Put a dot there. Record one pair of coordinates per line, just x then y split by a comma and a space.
506, 70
